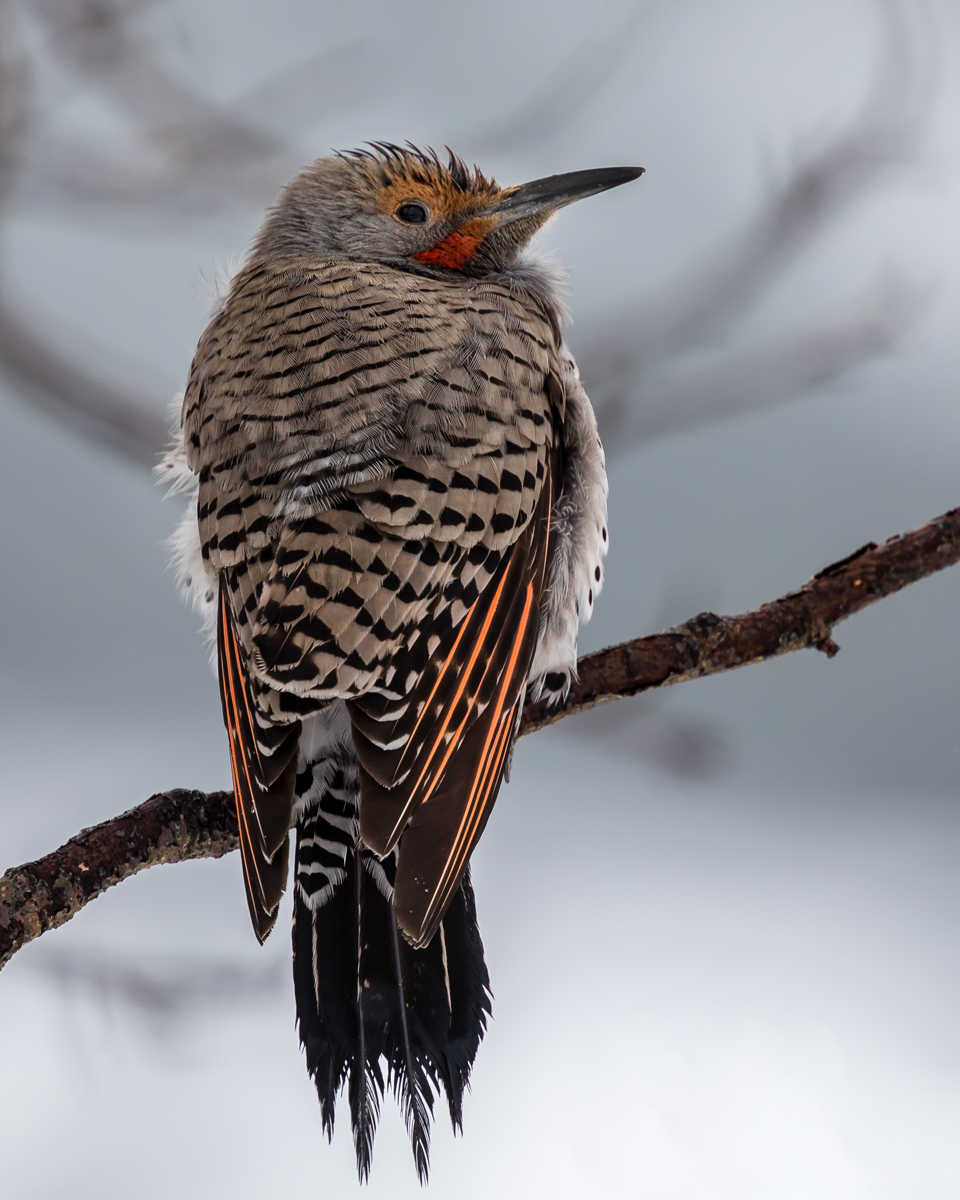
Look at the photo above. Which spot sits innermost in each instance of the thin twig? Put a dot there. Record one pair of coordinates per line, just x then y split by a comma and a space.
178, 825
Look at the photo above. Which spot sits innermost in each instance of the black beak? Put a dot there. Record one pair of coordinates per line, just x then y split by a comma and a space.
556, 191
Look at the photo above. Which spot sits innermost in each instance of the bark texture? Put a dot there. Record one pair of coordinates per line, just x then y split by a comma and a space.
169, 827
708, 644
182, 824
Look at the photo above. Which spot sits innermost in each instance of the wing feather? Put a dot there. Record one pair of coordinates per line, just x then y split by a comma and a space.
435, 791
263, 782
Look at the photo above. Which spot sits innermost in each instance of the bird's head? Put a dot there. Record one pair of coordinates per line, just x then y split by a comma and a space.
404, 207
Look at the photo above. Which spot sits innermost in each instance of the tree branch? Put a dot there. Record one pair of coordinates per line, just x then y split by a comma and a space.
178, 825
169, 827
708, 644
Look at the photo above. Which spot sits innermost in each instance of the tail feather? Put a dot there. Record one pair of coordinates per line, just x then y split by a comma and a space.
469, 995
364, 1093
366, 1079
411, 1082
328, 1045
372, 1010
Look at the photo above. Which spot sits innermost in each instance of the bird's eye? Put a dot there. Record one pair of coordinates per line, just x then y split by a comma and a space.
413, 213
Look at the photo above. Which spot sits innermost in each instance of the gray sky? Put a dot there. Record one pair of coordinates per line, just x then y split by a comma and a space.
736, 982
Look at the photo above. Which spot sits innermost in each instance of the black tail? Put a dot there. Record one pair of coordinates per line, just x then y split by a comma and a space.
373, 1011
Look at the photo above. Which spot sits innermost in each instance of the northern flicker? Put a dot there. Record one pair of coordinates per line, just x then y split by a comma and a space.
400, 522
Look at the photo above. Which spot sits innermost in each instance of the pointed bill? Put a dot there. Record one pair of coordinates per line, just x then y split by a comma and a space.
557, 191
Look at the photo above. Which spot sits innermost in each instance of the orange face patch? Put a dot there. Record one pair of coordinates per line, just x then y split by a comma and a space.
458, 247
440, 201
444, 200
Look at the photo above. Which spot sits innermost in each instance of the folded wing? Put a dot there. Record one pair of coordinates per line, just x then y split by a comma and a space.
430, 774
263, 761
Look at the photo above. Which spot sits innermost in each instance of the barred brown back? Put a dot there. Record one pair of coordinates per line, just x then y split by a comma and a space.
370, 447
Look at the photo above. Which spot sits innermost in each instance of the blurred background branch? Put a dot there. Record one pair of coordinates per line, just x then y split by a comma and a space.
171, 988
170, 156
632, 363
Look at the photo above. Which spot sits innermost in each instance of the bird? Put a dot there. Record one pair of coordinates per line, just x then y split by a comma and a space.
396, 524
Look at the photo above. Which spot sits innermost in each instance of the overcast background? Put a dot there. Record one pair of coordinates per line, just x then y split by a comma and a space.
721, 922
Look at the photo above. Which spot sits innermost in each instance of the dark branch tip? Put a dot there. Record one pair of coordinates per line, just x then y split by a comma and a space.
826, 645
836, 567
